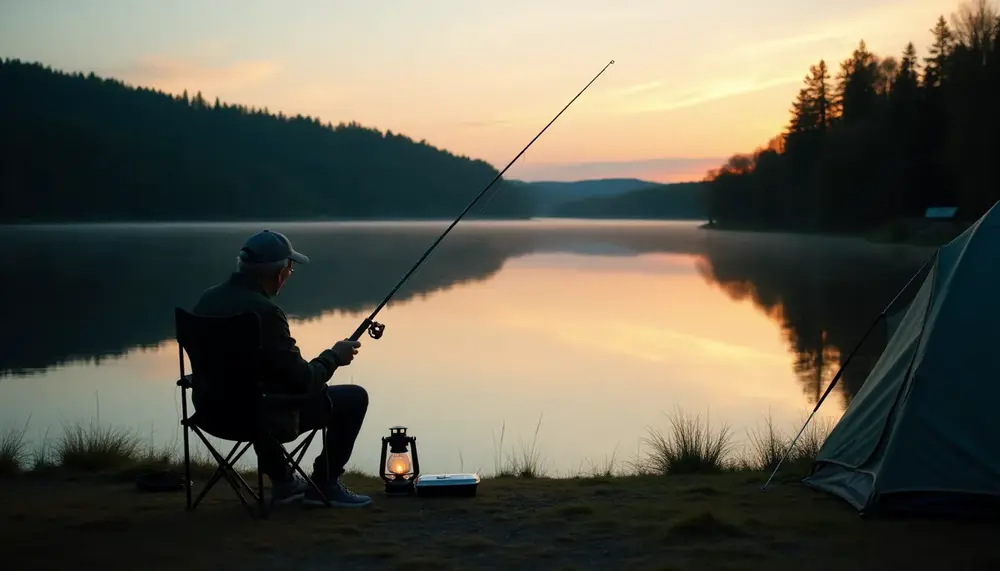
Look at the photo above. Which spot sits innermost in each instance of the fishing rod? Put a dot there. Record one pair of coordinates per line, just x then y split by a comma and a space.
374, 328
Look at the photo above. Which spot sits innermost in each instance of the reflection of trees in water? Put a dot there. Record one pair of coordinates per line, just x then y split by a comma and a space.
81, 294
86, 295
824, 293
90, 293
816, 363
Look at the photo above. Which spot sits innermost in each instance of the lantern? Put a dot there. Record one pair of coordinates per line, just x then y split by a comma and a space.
398, 471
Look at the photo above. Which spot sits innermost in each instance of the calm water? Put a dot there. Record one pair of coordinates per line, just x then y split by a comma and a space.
598, 329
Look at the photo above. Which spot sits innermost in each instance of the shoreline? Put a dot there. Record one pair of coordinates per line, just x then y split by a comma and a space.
368, 222
689, 443
694, 502
647, 522
914, 232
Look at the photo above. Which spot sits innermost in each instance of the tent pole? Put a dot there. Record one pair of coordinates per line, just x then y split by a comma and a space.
840, 372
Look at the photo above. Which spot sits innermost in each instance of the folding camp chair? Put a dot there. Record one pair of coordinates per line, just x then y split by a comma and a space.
225, 353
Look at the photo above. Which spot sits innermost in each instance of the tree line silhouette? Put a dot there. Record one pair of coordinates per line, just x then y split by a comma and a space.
881, 141
80, 147
672, 201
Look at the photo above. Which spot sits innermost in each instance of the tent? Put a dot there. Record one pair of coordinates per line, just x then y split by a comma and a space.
922, 436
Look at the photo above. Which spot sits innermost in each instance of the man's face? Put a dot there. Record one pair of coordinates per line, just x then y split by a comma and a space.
283, 276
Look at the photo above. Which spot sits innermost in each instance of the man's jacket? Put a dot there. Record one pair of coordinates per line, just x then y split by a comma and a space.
284, 369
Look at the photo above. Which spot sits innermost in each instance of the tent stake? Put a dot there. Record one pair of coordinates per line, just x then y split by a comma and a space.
836, 378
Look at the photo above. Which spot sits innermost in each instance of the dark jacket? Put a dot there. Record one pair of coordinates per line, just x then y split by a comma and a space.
284, 369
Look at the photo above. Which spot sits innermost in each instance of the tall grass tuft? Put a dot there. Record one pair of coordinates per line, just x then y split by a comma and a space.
688, 448
41, 456
807, 448
607, 469
525, 463
12, 450
767, 447
94, 448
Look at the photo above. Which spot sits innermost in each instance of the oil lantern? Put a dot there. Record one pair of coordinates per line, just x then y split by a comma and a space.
398, 469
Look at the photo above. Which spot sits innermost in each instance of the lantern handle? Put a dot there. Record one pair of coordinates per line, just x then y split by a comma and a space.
414, 456
381, 469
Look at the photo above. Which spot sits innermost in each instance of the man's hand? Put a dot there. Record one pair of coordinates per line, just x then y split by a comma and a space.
345, 351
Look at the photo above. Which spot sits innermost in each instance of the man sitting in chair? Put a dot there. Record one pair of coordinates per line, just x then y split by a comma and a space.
262, 268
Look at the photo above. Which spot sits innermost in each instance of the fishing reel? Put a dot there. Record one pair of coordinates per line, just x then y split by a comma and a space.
375, 330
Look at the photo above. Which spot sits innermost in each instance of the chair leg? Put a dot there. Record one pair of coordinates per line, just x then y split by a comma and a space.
261, 505
295, 463
326, 458
187, 449
301, 448
219, 472
234, 479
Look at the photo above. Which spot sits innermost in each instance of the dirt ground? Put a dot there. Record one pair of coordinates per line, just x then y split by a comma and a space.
642, 523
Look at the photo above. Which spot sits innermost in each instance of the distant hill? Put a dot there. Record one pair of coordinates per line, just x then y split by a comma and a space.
77, 147
678, 201
547, 195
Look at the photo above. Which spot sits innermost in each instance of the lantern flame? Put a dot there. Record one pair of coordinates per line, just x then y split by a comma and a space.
399, 463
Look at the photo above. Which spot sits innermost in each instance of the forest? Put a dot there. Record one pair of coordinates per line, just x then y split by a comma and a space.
78, 147
880, 139
672, 201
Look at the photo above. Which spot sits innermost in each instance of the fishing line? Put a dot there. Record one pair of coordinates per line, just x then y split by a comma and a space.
374, 328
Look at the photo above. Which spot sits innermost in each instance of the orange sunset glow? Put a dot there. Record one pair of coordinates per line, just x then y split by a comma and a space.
692, 83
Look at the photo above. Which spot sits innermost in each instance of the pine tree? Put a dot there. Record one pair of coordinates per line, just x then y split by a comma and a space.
857, 84
819, 89
935, 70
904, 97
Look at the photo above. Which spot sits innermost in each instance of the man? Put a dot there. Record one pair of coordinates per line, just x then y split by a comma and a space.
263, 266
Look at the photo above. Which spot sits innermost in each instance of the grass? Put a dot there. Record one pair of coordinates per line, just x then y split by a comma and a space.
688, 447
642, 522
524, 463
692, 501
91, 449
12, 450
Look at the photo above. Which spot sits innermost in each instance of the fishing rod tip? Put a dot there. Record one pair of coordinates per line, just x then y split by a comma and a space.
612, 61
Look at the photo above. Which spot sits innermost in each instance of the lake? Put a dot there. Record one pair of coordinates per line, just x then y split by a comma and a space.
597, 330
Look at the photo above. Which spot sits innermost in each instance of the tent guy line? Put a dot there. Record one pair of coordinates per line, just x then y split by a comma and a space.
847, 362
920, 436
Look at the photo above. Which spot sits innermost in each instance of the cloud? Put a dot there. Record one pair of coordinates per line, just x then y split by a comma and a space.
755, 64
176, 74
315, 96
486, 123
638, 88
724, 89
784, 44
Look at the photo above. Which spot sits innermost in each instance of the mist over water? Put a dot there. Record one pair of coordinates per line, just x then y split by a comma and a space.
597, 328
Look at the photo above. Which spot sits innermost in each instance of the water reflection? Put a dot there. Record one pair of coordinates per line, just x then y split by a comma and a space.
84, 293
600, 327
824, 292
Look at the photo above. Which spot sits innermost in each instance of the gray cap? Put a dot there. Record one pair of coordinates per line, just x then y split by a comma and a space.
267, 246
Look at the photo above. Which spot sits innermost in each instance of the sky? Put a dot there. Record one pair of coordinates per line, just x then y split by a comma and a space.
693, 81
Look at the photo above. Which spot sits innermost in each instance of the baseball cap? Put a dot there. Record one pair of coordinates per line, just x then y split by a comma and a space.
267, 246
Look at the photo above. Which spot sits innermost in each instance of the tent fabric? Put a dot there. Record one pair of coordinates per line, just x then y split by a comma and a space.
922, 434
